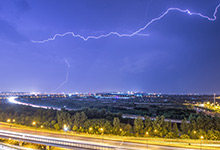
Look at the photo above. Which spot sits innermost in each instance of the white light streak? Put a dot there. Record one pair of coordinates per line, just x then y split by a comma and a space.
12, 100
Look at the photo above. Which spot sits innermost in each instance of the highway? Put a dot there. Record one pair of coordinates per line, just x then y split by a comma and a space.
76, 142
57, 142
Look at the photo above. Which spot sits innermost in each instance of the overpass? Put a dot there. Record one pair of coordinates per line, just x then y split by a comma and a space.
51, 141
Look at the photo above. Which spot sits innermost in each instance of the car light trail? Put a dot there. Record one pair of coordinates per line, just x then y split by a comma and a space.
57, 140
14, 101
137, 32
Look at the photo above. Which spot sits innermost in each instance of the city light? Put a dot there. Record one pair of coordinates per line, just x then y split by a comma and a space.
12, 100
101, 130
90, 129
65, 127
8, 120
202, 137
34, 123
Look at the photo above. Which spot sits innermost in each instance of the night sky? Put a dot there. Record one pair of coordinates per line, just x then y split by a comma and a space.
180, 55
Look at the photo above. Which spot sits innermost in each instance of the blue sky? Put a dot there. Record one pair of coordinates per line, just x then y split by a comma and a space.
180, 55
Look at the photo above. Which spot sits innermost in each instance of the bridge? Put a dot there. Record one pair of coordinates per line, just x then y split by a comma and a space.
51, 141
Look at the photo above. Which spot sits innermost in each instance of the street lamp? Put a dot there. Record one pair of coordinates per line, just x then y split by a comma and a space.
13, 120
194, 132
41, 126
90, 129
101, 130
147, 133
65, 127
34, 123
201, 137
8, 120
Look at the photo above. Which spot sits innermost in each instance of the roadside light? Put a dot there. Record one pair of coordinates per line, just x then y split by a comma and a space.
90, 129
194, 132
202, 137
101, 129
41, 126
13, 120
155, 130
34, 123
147, 133
65, 127
120, 129
8, 120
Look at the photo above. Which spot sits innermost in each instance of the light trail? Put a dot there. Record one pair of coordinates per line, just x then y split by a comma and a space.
67, 75
14, 101
137, 32
57, 140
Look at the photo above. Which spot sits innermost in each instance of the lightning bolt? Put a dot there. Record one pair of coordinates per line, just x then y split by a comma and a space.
137, 32
67, 75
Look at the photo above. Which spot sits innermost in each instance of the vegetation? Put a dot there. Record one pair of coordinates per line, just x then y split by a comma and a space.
136, 106
95, 121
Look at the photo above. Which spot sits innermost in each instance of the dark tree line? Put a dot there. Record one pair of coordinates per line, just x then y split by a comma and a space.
95, 121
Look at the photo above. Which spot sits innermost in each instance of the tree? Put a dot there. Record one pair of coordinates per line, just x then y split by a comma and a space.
138, 126
74, 128
169, 126
56, 126
175, 130
108, 127
184, 126
64, 117
83, 118
53, 122
170, 135
116, 125
157, 126
184, 136
79, 119
212, 135
147, 122
128, 129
